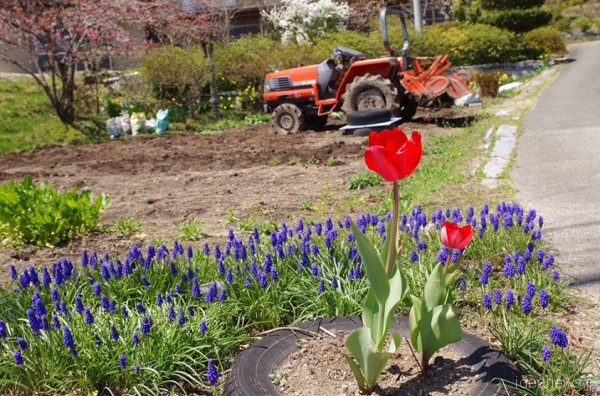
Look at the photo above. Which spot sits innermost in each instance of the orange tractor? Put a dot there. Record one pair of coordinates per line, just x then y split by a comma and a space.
302, 98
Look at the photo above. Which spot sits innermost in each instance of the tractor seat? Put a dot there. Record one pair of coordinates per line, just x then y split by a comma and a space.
348, 54
326, 74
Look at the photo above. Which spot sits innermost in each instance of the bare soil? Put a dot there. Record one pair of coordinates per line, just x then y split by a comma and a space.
162, 180
319, 368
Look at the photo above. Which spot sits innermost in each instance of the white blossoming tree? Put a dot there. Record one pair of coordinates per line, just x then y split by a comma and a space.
302, 20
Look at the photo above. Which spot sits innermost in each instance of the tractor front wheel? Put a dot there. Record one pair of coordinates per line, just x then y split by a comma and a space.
370, 92
287, 118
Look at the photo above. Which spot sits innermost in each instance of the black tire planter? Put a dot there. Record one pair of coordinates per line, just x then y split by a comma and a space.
371, 116
250, 373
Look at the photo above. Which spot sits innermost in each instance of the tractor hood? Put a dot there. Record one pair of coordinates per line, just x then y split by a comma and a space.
299, 77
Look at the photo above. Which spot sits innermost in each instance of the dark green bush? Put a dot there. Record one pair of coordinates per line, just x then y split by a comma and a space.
518, 20
510, 4
547, 40
176, 73
44, 216
469, 44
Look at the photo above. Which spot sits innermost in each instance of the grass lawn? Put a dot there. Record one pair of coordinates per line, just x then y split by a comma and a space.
28, 119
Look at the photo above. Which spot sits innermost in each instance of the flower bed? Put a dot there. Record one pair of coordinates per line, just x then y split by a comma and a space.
173, 318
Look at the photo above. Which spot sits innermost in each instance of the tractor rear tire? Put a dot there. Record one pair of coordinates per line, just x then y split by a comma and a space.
315, 122
407, 107
287, 118
370, 92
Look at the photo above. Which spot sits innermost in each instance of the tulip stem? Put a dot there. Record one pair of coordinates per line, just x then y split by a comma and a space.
447, 262
394, 231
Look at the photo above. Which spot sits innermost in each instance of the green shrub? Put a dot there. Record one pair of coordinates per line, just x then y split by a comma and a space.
469, 44
582, 24
546, 39
562, 23
510, 4
44, 216
176, 73
518, 20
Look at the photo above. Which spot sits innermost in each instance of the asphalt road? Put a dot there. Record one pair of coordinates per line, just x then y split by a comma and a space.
557, 168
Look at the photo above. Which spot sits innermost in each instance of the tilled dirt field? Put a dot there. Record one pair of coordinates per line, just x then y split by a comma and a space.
166, 179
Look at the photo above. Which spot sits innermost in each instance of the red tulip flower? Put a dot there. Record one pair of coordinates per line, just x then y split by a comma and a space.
392, 155
455, 237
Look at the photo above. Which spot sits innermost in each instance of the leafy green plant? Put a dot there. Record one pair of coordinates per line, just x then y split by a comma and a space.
312, 160
364, 179
126, 226
43, 216
333, 160
295, 160
190, 230
432, 322
256, 118
273, 162
388, 288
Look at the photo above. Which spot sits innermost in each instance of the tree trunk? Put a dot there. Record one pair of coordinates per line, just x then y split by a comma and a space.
214, 82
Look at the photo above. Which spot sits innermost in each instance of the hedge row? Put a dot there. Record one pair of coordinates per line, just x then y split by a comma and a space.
245, 61
518, 20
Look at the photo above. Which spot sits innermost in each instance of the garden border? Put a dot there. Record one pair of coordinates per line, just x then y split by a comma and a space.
250, 373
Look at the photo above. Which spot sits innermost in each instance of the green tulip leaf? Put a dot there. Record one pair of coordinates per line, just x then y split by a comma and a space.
373, 266
370, 315
435, 288
363, 349
398, 289
358, 375
395, 342
436, 329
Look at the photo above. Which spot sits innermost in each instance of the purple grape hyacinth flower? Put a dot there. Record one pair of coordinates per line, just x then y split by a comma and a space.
334, 282
114, 334
321, 286
171, 313
181, 317
87, 317
498, 297
140, 307
509, 298
203, 327
195, 288
543, 298
526, 304
559, 337
122, 361
462, 284
146, 325
124, 312
135, 339
530, 289
545, 353
68, 340
211, 293
18, 357
487, 301
97, 289
555, 275
22, 343
211, 373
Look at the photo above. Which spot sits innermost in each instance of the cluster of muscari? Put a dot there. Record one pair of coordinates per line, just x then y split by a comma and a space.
559, 339
243, 260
